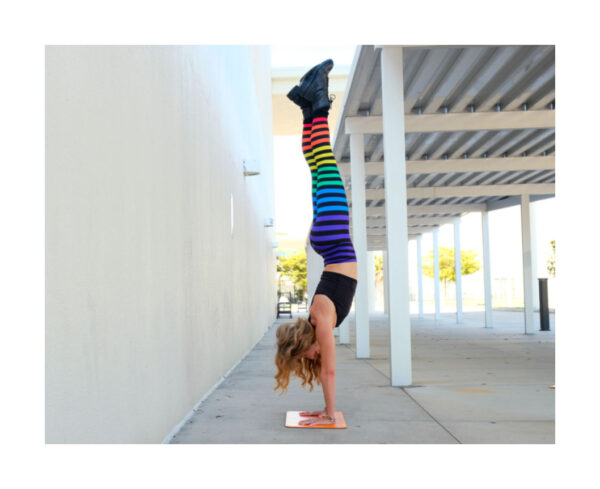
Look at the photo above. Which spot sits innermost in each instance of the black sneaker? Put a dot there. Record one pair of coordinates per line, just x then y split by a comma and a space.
314, 85
300, 101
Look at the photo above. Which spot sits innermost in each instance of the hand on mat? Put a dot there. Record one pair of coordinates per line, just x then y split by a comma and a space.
320, 412
315, 420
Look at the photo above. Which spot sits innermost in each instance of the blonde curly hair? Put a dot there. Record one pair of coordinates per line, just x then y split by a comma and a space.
293, 340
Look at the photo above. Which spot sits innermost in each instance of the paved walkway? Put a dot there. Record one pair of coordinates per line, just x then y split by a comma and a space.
470, 385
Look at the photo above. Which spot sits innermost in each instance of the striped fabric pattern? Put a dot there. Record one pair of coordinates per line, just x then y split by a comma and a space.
307, 151
330, 232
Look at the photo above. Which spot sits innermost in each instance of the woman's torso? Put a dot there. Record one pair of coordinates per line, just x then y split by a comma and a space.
349, 268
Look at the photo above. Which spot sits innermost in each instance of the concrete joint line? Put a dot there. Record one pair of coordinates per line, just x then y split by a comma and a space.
411, 397
431, 416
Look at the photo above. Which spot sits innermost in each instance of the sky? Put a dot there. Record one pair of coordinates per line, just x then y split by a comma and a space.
293, 212
288, 56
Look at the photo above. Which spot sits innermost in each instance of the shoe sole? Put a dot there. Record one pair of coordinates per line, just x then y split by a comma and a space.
309, 76
310, 72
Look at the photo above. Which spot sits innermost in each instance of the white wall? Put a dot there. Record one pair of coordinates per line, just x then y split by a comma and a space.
150, 299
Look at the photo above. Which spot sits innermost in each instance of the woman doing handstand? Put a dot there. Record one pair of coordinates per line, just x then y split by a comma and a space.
306, 347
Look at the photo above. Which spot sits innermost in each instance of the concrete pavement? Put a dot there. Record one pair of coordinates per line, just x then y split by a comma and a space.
470, 385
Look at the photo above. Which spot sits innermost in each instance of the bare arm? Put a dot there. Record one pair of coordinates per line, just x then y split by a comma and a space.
328, 383
324, 329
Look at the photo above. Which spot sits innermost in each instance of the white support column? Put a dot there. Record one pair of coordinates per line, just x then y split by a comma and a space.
487, 273
458, 271
527, 268
436, 272
534, 258
359, 238
344, 333
392, 88
420, 275
386, 284
371, 275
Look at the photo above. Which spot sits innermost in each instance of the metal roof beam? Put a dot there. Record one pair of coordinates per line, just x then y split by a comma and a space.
463, 121
433, 64
533, 80
543, 100
378, 223
417, 210
466, 191
525, 60
478, 190
518, 163
372, 168
376, 233
482, 164
464, 61
515, 200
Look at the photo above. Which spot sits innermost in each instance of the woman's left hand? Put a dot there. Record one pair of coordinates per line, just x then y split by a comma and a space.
315, 420
319, 412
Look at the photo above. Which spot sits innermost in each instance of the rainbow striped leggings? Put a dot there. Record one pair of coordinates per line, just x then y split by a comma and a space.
330, 232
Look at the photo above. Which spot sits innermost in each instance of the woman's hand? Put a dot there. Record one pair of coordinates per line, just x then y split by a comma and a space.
316, 420
320, 412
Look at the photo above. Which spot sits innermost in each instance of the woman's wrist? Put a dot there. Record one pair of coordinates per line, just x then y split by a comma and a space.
331, 417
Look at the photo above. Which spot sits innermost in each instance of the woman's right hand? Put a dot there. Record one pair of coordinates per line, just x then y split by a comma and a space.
320, 412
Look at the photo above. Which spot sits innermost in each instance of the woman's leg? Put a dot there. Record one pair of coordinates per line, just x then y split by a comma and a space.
308, 155
330, 233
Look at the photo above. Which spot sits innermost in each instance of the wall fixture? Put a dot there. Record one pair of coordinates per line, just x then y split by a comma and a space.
251, 168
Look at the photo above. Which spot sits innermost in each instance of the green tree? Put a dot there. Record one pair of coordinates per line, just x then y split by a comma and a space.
551, 263
468, 261
378, 268
294, 267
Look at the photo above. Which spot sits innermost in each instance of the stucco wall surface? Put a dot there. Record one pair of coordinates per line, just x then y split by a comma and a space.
152, 294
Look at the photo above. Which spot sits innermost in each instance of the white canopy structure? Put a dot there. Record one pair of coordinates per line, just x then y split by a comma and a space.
427, 134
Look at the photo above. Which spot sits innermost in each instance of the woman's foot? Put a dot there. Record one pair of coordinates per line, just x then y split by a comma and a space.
314, 86
300, 101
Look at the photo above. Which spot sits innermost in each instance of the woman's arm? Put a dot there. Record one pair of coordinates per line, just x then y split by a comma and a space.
324, 330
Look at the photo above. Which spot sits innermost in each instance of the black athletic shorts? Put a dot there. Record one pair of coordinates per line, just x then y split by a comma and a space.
340, 289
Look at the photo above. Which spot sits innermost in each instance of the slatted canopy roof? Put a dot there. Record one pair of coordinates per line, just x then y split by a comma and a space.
479, 131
